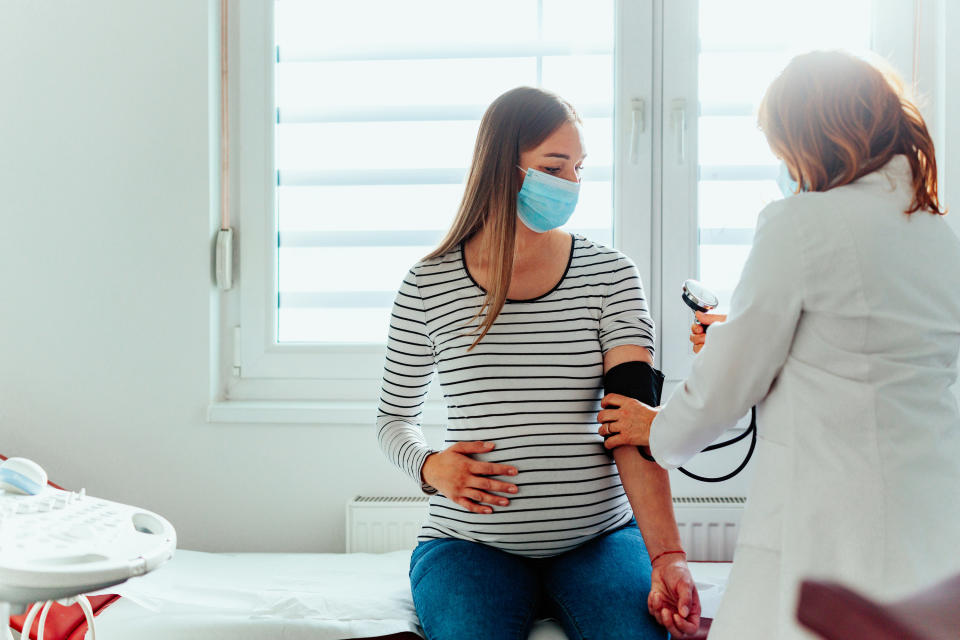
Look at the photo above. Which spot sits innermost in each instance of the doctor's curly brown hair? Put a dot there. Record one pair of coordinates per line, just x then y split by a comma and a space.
833, 118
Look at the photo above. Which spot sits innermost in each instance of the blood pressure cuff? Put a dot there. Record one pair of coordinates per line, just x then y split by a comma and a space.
637, 380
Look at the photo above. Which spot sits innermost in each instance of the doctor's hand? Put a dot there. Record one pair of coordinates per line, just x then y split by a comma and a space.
625, 420
673, 598
698, 332
464, 480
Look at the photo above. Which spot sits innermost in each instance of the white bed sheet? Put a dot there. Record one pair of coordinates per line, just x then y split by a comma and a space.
252, 596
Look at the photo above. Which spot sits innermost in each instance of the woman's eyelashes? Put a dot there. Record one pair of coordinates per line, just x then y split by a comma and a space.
577, 168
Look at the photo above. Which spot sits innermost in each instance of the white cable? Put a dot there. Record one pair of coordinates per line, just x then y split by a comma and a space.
88, 614
5, 631
43, 620
28, 621
224, 119
35, 607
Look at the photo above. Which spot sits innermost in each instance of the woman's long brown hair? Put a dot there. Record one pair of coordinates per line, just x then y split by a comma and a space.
834, 118
519, 120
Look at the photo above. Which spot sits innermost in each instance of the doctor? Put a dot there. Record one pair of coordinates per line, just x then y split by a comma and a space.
844, 329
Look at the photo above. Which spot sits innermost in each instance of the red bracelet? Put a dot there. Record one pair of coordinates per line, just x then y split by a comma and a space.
665, 553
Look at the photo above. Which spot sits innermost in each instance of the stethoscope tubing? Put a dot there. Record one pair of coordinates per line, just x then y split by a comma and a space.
749, 431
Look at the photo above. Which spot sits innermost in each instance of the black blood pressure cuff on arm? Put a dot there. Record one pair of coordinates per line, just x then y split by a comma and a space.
637, 380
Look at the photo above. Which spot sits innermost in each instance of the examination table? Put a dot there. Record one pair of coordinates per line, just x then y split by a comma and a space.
257, 596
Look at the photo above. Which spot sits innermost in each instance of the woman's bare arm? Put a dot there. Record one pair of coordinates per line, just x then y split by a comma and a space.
673, 599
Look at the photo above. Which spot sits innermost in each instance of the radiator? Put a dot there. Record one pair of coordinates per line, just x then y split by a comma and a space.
377, 524
708, 526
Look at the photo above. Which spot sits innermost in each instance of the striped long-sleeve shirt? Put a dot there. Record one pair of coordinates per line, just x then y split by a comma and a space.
532, 386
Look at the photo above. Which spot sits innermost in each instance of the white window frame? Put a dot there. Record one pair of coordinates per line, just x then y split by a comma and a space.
260, 356
677, 214
306, 379
262, 381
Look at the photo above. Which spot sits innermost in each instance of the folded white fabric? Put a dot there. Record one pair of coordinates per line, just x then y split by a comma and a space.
328, 596
258, 595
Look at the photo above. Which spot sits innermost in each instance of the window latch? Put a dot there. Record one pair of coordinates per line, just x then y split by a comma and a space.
638, 124
678, 111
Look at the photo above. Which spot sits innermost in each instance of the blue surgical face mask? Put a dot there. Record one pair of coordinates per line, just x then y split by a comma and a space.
546, 202
788, 186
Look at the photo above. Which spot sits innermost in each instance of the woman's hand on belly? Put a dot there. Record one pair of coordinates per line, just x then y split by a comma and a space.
466, 481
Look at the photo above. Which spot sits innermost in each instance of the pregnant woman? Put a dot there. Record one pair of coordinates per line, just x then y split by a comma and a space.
528, 516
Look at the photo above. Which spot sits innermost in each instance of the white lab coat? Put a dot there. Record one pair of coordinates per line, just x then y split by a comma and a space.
845, 330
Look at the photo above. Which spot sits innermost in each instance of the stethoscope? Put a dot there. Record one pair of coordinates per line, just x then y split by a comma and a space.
699, 298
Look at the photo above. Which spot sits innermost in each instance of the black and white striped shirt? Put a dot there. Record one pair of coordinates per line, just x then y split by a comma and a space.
532, 386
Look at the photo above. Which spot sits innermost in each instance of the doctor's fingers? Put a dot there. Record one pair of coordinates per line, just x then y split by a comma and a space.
698, 342
614, 400
710, 318
606, 416
618, 440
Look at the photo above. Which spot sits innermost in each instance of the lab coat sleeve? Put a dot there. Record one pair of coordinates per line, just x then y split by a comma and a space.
407, 373
742, 356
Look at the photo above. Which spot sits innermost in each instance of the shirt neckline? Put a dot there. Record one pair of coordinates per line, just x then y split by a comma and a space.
573, 244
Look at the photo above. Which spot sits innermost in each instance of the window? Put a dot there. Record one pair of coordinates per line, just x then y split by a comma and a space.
370, 132
374, 130
355, 122
718, 170
737, 170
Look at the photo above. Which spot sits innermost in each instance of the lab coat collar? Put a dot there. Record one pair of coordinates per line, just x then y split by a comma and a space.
897, 170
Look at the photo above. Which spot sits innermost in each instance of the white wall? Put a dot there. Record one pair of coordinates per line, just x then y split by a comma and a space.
107, 303
106, 203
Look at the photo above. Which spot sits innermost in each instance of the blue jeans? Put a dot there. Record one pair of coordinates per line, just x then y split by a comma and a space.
466, 590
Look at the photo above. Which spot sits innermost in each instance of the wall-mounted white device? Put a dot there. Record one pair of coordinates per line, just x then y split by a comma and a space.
225, 259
